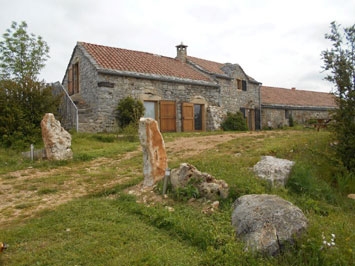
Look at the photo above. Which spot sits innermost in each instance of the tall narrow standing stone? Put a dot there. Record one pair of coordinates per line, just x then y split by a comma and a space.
57, 141
154, 154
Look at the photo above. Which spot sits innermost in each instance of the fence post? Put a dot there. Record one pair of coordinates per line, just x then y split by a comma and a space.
166, 179
77, 120
32, 152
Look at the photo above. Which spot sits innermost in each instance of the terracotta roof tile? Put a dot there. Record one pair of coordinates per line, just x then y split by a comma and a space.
282, 96
210, 66
141, 62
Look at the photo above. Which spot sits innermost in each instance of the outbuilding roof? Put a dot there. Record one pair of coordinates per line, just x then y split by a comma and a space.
294, 97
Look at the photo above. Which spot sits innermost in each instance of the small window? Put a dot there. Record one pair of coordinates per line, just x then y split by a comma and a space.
286, 114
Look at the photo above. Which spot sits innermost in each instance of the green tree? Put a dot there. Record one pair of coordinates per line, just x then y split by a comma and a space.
339, 64
23, 99
22, 55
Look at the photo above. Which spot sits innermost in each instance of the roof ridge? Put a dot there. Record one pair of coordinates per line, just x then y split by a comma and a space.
205, 60
295, 89
126, 50
114, 58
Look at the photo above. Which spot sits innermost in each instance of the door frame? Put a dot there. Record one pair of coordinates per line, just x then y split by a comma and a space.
203, 114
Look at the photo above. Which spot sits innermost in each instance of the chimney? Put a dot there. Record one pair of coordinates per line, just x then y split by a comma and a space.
293, 88
181, 52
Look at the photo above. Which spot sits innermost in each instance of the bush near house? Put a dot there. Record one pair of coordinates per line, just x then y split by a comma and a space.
290, 121
234, 122
129, 110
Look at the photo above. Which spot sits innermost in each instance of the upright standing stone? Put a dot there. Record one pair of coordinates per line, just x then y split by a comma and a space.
57, 141
154, 154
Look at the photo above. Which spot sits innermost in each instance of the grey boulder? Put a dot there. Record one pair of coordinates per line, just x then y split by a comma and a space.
275, 171
267, 222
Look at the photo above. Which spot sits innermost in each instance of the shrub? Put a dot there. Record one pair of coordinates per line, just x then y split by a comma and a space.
235, 122
22, 107
129, 110
290, 121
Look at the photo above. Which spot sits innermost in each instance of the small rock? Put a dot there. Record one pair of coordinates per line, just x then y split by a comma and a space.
130, 192
351, 196
191, 200
215, 204
67, 230
170, 209
165, 196
238, 154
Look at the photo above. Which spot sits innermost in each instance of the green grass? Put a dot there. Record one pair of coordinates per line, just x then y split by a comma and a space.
108, 227
85, 147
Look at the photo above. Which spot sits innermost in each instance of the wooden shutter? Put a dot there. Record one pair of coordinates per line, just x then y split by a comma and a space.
70, 81
187, 117
244, 85
167, 116
76, 78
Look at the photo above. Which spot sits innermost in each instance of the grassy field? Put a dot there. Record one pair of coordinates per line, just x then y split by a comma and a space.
107, 226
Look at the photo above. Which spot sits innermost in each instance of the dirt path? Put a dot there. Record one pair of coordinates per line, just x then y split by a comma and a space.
25, 192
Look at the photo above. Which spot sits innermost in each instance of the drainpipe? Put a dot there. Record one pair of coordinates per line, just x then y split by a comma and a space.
260, 107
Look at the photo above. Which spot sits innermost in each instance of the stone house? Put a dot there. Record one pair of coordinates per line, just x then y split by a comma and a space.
279, 104
183, 93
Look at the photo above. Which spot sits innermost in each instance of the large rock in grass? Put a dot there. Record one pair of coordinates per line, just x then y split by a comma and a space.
208, 186
275, 171
57, 141
267, 222
154, 154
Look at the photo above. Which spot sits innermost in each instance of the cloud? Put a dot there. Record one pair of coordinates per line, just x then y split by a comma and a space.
277, 42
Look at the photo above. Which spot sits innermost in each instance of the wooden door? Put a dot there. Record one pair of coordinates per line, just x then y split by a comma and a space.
167, 116
187, 117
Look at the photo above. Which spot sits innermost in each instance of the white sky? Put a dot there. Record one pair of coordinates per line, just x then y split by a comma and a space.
276, 42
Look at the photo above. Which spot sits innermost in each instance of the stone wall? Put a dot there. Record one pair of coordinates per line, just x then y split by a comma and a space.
276, 118
145, 89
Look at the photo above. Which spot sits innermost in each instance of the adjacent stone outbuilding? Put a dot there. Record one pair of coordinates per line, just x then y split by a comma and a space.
279, 104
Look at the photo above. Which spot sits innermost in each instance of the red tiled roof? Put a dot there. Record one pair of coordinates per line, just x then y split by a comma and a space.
282, 96
210, 66
141, 62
